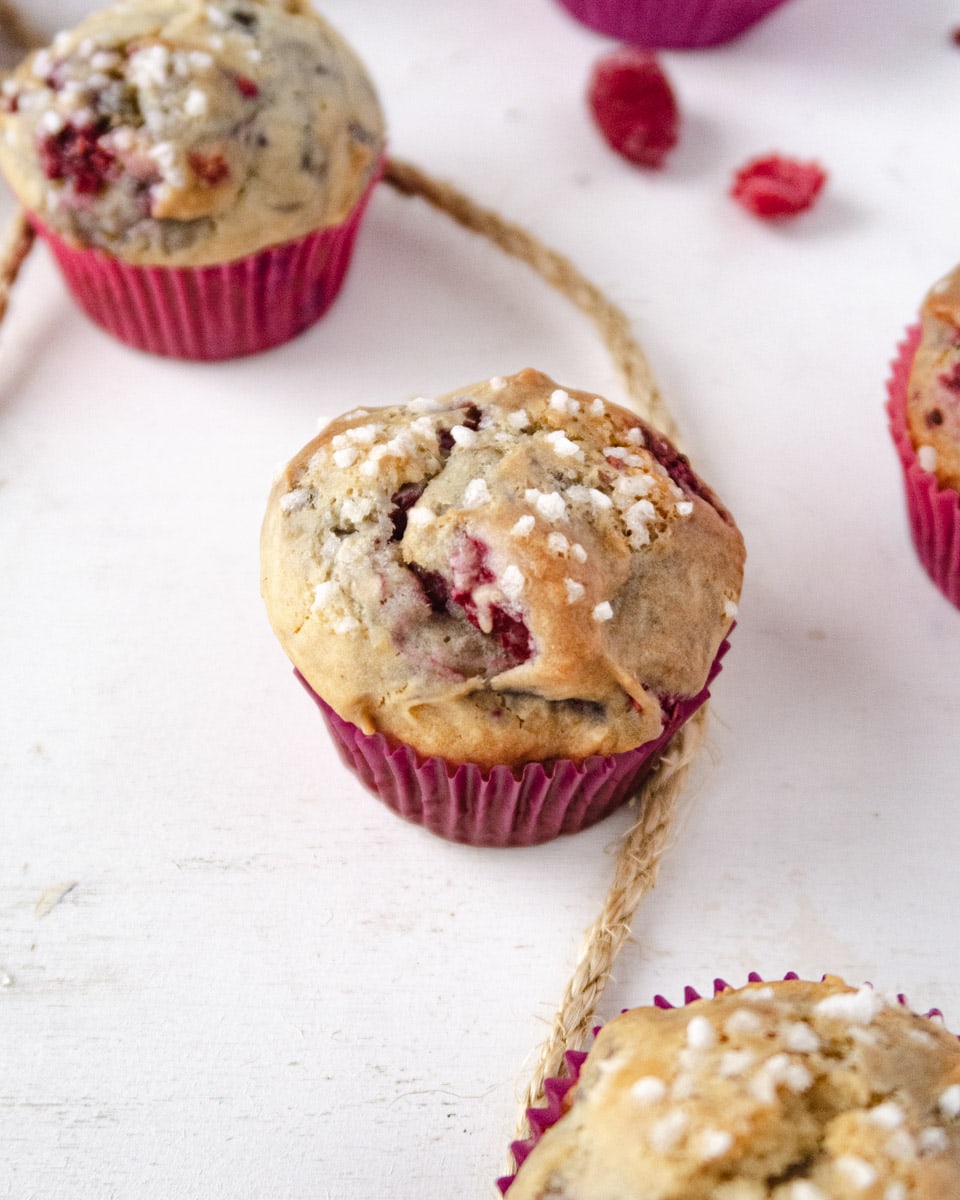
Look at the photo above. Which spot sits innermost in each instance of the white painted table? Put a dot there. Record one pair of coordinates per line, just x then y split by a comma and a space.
226, 970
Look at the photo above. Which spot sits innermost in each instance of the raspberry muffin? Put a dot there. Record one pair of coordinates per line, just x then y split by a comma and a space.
787, 1091
498, 595
199, 169
924, 411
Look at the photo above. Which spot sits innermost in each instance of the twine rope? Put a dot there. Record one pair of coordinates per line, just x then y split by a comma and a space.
17, 241
638, 860
17, 29
18, 238
609, 320
643, 846
635, 874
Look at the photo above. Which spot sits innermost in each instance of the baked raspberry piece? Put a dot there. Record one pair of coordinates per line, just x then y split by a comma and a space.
776, 188
246, 87
76, 154
634, 105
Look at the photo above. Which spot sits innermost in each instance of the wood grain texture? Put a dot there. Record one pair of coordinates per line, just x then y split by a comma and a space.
261, 983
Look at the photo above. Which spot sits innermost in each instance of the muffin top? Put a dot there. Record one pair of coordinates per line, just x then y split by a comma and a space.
933, 391
784, 1091
190, 132
512, 572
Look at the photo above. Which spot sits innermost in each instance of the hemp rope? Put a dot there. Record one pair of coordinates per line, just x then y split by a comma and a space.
610, 322
638, 860
643, 846
17, 28
17, 241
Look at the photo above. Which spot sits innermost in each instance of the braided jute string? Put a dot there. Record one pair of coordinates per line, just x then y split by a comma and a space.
17, 29
610, 322
18, 237
17, 240
639, 857
635, 874
640, 854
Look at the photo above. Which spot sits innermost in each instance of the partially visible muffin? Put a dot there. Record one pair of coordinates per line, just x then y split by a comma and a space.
509, 574
193, 134
676, 24
924, 411
933, 391
787, 1091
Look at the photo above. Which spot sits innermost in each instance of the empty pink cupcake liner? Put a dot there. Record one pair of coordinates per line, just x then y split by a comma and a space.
933, 511
501, 806
670, 24
212, 312
555, 1089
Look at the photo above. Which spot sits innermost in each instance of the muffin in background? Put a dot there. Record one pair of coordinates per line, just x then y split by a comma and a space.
924, 413
671, 24
793, 1090
505, 601
199, 170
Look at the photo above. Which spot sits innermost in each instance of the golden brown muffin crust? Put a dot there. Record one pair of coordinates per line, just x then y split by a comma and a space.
190, 132
505, 574
933, 391
786, 1091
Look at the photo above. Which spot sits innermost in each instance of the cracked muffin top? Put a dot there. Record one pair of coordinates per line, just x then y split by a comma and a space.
933, 392
510, 573
190, 132
784, 1091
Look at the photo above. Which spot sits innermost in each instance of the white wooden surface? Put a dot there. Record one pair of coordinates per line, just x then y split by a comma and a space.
225, 970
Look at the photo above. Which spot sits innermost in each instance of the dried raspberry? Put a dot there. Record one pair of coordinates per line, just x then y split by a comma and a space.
403, 500
470, 571
246, 87
634, 106
471, 419
434, 586
76, 154
950, 379
211, 168
775, 187
512, 633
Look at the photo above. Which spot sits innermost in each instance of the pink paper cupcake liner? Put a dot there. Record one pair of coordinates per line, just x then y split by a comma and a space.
670, 24
500, 806
933, 511
555, 1089
212, 312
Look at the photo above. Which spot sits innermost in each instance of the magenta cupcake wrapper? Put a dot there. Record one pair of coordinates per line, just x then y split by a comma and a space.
933, 511
501, 806
212, 312
670, 24
555, 1089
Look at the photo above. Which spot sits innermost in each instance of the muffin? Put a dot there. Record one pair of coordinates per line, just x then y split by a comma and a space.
198, 168
924, 412
505, 601
666, 24
794, 1090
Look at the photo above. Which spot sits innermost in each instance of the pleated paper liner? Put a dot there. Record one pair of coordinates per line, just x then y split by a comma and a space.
556, 1089
933, 511
215, 312
502, 806
671, 24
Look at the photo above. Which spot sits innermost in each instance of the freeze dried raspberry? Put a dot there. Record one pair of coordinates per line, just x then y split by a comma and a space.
634, 106
470, 572
776, 187
211, 168
246, 87
76, 154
